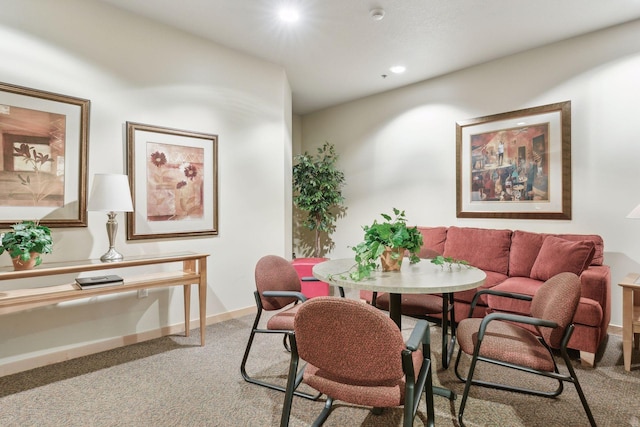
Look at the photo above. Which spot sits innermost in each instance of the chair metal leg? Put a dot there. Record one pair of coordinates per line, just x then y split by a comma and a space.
440, 391
245, 358
576, 383
410, 399
328, 407
426, 386
467, 384
291, 385
553, 375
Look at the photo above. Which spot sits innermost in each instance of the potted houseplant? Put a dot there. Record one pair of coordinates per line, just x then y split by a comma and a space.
386, 242
317, 190
26, 243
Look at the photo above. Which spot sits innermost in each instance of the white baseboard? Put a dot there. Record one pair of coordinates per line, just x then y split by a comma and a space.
111, 343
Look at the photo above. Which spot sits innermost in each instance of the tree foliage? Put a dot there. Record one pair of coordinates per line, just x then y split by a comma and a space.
317, 189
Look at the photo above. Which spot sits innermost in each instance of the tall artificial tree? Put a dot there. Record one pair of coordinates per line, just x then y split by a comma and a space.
317, 190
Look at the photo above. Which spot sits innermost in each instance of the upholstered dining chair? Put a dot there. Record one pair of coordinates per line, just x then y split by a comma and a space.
356, 354
277, 290
505, 340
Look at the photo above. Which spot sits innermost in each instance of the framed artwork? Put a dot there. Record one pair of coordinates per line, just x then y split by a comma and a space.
173, 176
43, 157
515, 165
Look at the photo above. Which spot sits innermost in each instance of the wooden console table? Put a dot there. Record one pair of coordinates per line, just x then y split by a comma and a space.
630, 316
194, 271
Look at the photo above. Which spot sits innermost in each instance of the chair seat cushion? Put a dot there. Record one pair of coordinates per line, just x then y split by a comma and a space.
506, 342
381, 395
284, 319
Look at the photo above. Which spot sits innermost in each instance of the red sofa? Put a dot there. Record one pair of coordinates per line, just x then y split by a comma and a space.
520, 261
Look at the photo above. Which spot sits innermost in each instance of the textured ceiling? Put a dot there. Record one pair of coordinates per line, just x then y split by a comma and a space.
337, 53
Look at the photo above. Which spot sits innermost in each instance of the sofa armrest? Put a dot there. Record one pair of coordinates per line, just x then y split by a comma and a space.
596, 285
596, 282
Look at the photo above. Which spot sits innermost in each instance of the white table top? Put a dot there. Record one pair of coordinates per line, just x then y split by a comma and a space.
420, 278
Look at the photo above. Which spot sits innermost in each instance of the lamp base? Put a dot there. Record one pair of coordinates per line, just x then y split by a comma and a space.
112, 255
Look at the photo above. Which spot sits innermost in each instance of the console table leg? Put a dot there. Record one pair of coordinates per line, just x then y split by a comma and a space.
186, 290
202, 297
627, 327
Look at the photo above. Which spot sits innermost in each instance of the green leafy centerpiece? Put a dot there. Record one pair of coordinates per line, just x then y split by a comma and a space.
386, 242
25, 244
449, 263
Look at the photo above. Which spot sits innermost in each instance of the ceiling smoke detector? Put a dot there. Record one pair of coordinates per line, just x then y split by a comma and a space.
376, 14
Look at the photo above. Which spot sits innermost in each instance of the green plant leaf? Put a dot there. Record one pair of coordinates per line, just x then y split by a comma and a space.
393, 232
317, 188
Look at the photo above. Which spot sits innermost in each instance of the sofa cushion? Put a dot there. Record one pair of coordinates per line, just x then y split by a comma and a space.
518, 285
487, 249
525, 247
433, 238
558, 255
490, 281
598, 256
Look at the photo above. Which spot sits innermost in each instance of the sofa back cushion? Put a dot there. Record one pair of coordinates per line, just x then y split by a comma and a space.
433, 239
558, 255
487, 249
525, 247
598, 256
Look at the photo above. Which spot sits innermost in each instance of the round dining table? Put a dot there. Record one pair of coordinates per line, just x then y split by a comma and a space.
423, 277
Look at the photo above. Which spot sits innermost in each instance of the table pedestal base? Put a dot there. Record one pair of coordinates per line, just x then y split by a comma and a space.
448, 340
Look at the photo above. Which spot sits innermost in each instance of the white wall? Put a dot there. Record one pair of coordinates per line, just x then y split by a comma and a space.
135, 70
398, 149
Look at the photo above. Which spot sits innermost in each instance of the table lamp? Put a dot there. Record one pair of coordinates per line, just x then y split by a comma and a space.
635, 213
110, 193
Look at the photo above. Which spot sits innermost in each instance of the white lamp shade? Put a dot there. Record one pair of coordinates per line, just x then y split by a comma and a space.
110, 193
635, 213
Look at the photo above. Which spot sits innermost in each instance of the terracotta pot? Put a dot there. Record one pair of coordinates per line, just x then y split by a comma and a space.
391, 259
19, 264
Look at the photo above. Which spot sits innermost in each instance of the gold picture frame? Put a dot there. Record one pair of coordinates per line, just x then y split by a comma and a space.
515, 165
43, 150
173, 176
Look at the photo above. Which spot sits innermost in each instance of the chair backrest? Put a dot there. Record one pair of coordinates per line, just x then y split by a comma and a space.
274, 273
556, 300
353, 342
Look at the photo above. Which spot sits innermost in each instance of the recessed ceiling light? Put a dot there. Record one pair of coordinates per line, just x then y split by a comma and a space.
398, 69
289, 15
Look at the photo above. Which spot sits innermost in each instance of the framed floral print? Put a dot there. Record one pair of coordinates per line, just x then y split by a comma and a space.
173, 176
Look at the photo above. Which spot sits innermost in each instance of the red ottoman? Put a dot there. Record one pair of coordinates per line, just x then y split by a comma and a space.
303, 267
